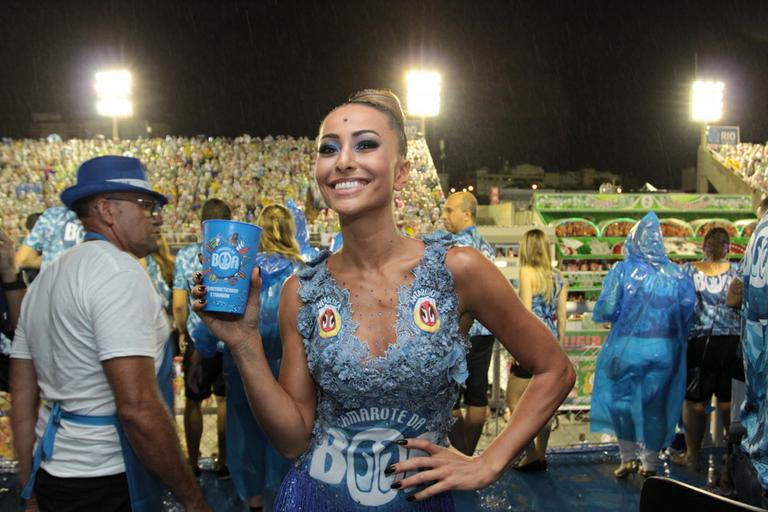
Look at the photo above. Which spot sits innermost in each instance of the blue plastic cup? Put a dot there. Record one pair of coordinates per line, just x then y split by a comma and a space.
229, 254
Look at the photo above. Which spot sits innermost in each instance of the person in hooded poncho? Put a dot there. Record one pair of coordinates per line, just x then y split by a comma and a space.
255, 465
640, 374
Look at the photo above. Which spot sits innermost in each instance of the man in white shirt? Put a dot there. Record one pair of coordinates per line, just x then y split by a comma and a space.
91, 344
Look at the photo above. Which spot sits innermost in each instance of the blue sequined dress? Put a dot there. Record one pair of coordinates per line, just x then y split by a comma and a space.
366, 403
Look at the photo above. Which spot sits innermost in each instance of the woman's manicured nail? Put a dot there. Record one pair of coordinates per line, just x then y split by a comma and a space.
402, 442
389, 470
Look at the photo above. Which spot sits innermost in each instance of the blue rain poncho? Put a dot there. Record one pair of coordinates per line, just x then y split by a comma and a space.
640, 374
308, 252
255, 465
754, 341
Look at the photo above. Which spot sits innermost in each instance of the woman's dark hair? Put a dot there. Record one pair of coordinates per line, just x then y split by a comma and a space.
32, 220
215, 209
716, 243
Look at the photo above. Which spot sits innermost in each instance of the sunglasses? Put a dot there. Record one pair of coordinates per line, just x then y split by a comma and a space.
151, 207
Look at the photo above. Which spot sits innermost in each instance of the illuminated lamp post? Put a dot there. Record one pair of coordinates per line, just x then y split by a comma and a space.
706, 104
423, 95
113, 96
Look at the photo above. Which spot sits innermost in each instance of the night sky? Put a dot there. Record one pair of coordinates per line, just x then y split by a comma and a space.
564, 85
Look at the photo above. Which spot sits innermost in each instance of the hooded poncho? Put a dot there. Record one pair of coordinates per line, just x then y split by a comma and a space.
641, 369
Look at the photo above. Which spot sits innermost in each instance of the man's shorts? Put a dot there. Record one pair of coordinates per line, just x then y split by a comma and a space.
78, 494
479, 356
711, 364
211, 376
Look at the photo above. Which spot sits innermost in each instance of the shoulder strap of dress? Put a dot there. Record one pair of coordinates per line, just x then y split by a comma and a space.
436, 247
310, 277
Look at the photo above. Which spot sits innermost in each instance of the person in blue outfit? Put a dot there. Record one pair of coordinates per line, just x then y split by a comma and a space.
712, 343
459, 217
640, 371
91, 345
55, 231
160, 267
254, 463
202, 356
754, 347
543, 292
308, 252
374, 342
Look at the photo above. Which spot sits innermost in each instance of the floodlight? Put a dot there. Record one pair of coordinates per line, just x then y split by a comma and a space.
113, 93
707, 101
423, 93
114, 108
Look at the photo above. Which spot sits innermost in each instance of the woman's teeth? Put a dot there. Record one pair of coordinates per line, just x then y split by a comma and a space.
347, 185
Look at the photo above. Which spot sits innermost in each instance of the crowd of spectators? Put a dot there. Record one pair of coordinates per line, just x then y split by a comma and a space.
750, 161
246, 172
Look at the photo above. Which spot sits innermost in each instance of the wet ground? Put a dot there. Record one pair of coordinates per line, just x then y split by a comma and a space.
576, 480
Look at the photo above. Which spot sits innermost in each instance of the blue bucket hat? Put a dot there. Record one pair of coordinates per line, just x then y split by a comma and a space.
105, 174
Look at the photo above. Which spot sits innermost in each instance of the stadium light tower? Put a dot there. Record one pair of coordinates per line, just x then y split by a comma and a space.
113, 96
706, 104
423, 95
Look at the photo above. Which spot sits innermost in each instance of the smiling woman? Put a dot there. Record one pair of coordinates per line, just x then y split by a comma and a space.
374, 340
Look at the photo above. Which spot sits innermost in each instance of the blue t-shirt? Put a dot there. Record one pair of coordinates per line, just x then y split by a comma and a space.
711, 316
163, 290
470, 237
187, 263
57, 230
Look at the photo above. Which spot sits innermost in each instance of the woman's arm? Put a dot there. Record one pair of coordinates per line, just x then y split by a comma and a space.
486, 294
562, 315
284, 410
608, 305
733, 299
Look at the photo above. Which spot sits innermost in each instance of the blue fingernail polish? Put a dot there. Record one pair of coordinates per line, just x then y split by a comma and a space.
401, 442
396, 485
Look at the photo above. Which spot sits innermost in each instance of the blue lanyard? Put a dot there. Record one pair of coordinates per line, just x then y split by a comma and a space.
96, 236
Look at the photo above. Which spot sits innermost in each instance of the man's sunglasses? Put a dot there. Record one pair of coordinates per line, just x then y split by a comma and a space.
151, 207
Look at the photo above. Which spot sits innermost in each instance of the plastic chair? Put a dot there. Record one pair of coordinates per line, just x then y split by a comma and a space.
660, 494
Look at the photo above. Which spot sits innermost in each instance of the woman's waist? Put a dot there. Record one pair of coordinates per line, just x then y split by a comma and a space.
351, 455
410, 422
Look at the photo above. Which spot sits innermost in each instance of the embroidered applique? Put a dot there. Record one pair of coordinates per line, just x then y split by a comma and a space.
329, 321
425, 313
